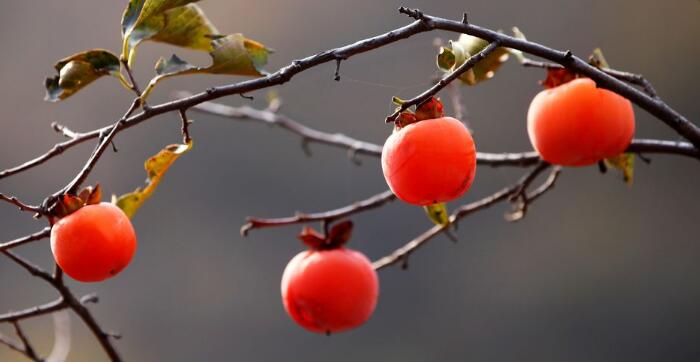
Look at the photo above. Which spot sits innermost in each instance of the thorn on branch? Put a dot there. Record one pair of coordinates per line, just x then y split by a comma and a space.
465, 19
245, 96
414, 13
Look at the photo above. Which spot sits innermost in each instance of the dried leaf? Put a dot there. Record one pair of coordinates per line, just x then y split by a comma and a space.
449, 58
231, 54
78, 70
156, 167
438, 213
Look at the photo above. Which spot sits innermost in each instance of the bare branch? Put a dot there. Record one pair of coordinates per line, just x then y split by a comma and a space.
35, 311
45, 233
467, 65
22, 206
401, 254
328, 216
28, 266
636, 79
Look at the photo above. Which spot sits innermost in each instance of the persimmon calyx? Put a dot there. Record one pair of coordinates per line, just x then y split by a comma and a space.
557, 77
68, 204
430, 109
337, 236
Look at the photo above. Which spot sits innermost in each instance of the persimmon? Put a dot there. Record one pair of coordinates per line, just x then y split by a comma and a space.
430, 161
329, 288
94, 243
578, 124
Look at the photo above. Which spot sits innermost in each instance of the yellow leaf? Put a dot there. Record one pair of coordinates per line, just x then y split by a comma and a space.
625, 163
438, 213
156, 167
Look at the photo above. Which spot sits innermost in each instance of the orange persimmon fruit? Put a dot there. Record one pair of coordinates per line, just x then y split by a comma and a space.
578, 124
94, 243
430, 161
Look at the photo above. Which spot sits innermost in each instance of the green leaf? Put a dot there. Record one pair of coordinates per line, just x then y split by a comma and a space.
179, 23
232, 54
625, 163
449, 58
79, 70
438, 213
156, 167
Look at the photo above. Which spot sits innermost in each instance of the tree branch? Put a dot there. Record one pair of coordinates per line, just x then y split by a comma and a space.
45, 233
35, 311
401, 254
327, 216
22, 206
468, 64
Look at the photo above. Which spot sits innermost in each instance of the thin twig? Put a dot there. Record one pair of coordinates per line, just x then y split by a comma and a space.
21, 205
401, 254
45, 233
327, 216
28, 349
467, 65
35, 311
636, 79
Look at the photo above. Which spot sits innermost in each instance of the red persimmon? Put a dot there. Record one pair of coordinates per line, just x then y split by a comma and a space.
430, 161
578, 124
94, 243
329, 290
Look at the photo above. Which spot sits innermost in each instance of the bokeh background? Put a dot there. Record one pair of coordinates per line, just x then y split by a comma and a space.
597, 270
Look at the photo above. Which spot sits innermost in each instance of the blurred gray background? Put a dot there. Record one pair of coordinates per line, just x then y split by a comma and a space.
596, 272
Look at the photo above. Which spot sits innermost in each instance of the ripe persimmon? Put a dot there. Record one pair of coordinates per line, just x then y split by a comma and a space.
578, 124
329, 288
430, 161
94, 243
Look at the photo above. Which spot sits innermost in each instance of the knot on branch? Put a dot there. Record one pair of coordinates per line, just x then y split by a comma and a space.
414, 13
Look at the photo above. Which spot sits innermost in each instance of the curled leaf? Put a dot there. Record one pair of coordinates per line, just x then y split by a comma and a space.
449, 58
156, 167
437, 213
78, 70
625, 163
232, 54
177, 22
